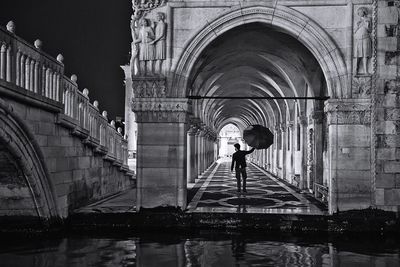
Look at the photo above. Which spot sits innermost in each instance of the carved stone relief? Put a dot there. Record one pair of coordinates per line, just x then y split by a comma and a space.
362, 86
392, 86
149, 88
148, 39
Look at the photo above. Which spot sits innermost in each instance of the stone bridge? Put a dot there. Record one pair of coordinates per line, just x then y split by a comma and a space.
57, 150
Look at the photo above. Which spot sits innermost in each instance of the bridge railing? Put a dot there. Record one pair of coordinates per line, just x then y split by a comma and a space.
26, 66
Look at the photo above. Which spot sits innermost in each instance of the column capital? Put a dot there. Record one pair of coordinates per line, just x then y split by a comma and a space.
290, 124
318, 116
192, 130
161, 109
303, 120
348, 111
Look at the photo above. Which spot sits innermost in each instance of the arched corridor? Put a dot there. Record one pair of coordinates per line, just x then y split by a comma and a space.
240, 67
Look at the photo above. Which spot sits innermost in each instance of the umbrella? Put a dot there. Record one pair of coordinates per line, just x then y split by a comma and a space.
258, 136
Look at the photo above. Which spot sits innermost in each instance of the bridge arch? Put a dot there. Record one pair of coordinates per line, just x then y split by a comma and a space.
19, 146
292, 22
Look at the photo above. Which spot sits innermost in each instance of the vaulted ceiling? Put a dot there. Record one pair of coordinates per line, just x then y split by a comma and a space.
254, 60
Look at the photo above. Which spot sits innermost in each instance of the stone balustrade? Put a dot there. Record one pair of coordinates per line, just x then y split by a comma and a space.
26, 66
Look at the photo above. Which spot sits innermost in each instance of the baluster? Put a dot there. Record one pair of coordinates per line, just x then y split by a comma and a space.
9, 67
58, 87
3, 50
55, 86
66, 102
50, 84
43, 81
22, 68
18, 69
32, 75
36, 78
47, 87
27, 72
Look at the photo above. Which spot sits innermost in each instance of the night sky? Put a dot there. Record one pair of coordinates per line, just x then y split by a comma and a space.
93, 36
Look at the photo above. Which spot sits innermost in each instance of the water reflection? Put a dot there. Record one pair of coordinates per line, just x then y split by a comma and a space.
204, 250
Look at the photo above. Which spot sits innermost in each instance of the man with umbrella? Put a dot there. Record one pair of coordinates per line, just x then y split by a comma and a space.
239, 162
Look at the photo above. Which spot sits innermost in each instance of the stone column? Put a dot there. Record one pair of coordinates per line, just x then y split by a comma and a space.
303, 149
349, 153
161, 150
318, 147
191, 157
199, 151
130, 119
277, 148
284, 148
290, 150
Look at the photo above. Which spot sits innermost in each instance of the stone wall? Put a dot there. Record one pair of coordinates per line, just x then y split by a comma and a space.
387, 194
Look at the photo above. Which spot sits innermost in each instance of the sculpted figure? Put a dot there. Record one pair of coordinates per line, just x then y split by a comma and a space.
159, 41
134, 48
146, 51
362, 40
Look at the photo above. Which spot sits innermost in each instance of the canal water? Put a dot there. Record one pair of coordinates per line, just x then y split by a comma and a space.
209, 249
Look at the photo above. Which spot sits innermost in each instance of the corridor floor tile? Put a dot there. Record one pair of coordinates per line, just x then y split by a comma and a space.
216, 192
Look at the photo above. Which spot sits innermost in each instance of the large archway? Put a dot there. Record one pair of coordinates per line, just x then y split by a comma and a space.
254, 53
281, 18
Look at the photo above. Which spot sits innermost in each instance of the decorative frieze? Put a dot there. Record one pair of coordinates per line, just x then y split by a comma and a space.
161, 109
351, 111
149, 87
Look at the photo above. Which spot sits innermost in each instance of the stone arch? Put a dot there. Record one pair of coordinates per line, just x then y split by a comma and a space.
18, 141
310, 34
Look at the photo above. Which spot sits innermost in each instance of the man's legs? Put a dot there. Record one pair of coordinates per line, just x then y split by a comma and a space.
244, 175
238, 171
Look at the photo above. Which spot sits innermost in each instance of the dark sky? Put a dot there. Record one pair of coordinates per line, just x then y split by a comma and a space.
93, 36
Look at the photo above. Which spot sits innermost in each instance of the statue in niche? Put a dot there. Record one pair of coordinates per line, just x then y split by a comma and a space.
362, 41
159, 41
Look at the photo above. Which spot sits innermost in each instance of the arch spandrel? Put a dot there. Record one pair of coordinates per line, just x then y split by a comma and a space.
319, 43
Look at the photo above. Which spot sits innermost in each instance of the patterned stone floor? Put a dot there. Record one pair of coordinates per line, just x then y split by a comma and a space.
216, 191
